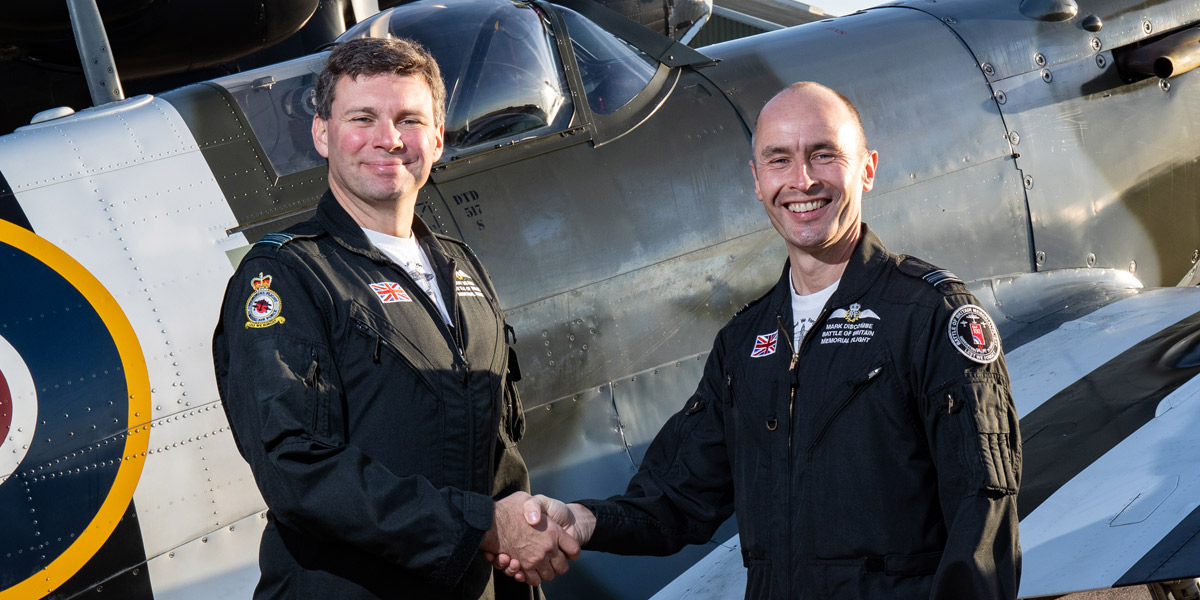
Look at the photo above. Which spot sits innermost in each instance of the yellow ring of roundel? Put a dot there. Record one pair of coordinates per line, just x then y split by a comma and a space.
137, 440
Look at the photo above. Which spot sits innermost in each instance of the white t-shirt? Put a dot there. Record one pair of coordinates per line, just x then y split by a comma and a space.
407, 253
806, 309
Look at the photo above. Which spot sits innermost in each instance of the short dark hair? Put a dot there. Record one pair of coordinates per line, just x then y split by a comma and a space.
379, 56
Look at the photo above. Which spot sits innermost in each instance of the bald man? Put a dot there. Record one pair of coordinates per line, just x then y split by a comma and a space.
858, 417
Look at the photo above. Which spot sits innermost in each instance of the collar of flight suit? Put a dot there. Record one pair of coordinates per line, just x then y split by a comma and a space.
865, 266
349, 234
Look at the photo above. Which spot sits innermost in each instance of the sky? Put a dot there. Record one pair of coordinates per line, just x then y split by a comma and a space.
842, 7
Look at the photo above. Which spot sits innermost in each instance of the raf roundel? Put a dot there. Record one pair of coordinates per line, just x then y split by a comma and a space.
974, 334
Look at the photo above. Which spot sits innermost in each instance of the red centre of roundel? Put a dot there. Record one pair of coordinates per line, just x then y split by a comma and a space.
6, 409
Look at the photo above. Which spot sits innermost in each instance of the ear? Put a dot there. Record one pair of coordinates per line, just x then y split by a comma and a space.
754, 173
868, 174
320, 135
440, 140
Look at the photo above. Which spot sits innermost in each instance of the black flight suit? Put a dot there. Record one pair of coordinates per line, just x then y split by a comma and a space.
377, 435
882, 464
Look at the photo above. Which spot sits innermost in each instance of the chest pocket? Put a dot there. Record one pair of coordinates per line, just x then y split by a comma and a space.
869, 378
381, 337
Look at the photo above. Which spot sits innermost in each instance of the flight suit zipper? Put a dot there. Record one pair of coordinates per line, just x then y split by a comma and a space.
794, 376
794, 364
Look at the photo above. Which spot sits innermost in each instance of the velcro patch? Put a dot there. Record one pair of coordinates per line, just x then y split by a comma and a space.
764, 345
389, 292
974, 334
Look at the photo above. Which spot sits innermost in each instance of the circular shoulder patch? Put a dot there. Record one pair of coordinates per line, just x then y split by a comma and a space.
974, 334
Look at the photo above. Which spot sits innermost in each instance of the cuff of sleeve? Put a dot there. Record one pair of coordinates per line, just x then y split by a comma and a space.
477, 512
608, 520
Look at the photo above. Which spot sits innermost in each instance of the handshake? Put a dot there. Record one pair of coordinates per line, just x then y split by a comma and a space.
533, 537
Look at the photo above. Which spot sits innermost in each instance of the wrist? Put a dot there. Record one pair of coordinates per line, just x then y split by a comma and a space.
490, 541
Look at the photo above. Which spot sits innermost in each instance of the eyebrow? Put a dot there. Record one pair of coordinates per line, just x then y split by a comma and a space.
780, 149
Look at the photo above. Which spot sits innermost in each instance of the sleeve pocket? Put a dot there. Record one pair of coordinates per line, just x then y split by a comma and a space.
512, 424
992, 442
293, 391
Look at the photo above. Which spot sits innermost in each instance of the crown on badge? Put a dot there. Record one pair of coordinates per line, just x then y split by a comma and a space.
261, 282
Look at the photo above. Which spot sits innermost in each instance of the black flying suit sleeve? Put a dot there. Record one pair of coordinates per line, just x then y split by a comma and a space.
972, 428
283, 395
683, 490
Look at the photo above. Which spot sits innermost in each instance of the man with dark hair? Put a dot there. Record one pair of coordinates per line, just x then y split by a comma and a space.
858, 416
363, 365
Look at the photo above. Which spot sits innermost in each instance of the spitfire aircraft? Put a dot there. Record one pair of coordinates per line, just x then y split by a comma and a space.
1042, 150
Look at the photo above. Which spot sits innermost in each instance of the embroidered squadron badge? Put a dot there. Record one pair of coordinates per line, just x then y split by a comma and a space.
974, 334
854, 313
264, 305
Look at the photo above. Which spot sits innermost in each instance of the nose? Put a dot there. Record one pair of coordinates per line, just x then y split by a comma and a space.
802, 176
387, 136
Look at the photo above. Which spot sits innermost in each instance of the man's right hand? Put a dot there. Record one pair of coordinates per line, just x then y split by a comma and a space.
573, 519
537, 549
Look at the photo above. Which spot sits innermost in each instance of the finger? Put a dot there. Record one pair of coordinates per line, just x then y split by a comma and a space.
532, 577
513, 568
550, 565
488, 556
569, 545
533, 511
502, 561
559, 562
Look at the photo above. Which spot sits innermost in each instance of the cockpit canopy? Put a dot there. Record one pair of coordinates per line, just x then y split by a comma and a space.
503, 71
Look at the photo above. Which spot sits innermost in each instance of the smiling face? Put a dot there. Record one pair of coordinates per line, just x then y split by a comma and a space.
381, 142
810, 169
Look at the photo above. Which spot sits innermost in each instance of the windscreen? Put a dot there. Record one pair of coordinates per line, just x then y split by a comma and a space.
499, 61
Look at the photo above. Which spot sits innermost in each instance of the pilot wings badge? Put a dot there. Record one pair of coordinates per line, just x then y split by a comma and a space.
854, 313
262, 309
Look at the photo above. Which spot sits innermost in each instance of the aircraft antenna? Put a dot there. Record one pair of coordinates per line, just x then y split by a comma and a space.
99, 68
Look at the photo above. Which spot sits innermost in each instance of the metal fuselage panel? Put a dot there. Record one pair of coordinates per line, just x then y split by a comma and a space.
929, 113
1110, 165
125, 191
1004, 106
597, 233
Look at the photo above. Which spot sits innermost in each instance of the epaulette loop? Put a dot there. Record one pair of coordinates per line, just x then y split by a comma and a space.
940, 276
275, 239
752, 303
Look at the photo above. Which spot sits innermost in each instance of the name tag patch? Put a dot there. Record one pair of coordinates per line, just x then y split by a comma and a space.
851, 325
465, 287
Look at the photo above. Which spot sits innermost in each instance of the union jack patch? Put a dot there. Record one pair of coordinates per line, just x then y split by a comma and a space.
390, 292
764, 345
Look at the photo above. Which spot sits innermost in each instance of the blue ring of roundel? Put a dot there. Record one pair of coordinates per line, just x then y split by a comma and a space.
83, 413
